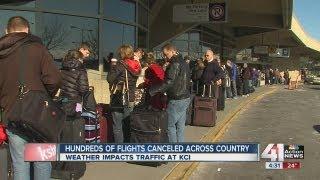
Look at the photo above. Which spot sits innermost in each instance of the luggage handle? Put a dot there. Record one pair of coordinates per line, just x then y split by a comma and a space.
204, 91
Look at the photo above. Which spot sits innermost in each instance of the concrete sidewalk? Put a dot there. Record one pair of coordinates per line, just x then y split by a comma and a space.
108, 170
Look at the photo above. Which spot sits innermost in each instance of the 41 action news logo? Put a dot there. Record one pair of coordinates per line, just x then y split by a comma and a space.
279, 152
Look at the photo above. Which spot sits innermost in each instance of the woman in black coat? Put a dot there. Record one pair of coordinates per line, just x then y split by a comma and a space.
74, 86
74, 82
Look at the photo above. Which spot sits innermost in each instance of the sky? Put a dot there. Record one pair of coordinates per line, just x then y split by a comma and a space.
308, 13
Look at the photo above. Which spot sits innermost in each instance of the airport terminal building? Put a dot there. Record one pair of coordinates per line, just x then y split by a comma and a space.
227, 27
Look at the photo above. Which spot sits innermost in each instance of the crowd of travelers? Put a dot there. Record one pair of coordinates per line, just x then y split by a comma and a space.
166, 85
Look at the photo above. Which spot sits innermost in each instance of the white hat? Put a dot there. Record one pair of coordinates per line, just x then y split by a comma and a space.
114, 60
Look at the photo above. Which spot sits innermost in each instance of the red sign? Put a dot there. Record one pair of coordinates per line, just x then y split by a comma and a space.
40, 152
291, 165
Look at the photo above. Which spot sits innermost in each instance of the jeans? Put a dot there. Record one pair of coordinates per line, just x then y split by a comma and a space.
121, 125
177, 110
234, 88
42, 170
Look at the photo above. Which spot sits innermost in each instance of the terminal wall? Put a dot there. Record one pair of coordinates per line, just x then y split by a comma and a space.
101, 86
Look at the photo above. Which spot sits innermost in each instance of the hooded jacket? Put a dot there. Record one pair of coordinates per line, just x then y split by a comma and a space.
118, 73
39, 71
74, 79
155, 76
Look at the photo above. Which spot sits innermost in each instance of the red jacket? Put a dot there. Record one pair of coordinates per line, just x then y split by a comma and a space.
154, 75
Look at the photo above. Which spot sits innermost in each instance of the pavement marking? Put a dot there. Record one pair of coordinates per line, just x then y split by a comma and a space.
184, 170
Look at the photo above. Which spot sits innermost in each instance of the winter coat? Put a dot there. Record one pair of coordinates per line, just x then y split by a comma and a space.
39, 71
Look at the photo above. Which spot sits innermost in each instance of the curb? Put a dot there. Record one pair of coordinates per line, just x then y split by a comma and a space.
184, 170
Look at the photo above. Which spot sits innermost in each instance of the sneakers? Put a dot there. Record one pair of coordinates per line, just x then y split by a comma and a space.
235, 98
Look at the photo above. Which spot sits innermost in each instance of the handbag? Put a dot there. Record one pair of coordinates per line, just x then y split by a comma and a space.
35, 116
120, 94
89, 102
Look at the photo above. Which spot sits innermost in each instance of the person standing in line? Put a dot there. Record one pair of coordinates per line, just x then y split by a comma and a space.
267, 76
154, 76
212, 74
127, 69
196, 76
246, 75
74, 86
40, 73
222, 88
233, 77
176, 85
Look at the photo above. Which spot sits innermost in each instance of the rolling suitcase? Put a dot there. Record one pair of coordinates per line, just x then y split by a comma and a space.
92, 127
148, 126
72, 133
105, 120
205, 109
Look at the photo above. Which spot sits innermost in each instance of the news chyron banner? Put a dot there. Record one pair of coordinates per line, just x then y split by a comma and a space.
184, 152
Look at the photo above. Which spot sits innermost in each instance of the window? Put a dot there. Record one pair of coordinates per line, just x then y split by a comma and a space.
114, 35
143, 16
142, 39
5, 15
61, 33
124, 10
76, 6
181, 45
182, 37
194, 36
194, 46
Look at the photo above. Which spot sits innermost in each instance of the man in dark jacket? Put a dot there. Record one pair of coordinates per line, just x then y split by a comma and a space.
176, 85
233, 78
213, 73
131, 68
246, 76
40, 73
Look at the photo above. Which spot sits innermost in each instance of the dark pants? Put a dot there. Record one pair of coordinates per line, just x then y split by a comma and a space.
229, 92
234, 88
246, 85
240, 88
121, 125
221, 98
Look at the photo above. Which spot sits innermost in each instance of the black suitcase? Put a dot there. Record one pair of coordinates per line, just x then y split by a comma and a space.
190, 109
148, 126
72, 133
205, 109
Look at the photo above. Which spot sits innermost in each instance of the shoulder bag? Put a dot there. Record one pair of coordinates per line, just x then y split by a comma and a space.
34, 115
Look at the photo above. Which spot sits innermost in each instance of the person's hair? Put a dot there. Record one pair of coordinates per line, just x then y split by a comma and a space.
85, 46
17, 23
72, 54
125, 52
169, 46
150, 58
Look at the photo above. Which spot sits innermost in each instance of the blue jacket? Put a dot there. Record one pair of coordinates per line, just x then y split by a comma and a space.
234, 72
